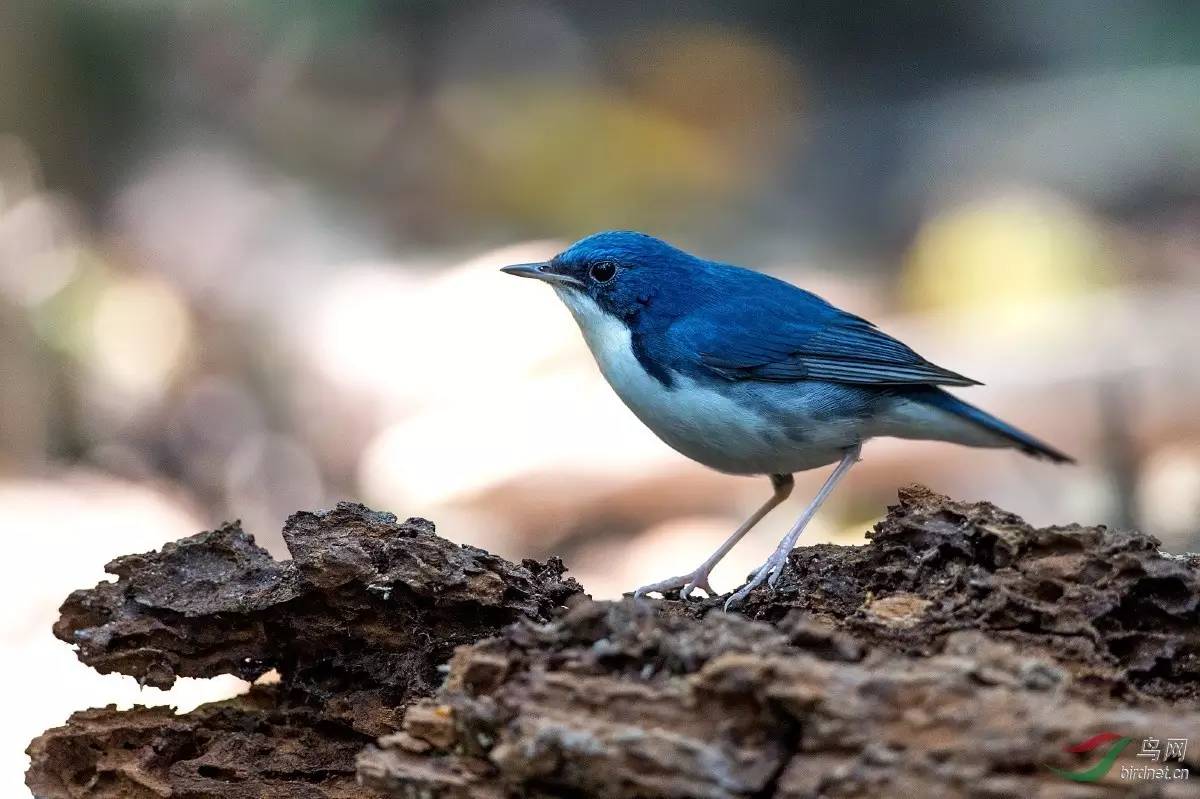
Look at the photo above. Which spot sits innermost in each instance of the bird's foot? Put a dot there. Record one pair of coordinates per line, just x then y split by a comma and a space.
687, 583
772, 568
777, 570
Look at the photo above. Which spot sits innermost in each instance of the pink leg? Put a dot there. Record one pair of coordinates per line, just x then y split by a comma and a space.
699, 578
774, 565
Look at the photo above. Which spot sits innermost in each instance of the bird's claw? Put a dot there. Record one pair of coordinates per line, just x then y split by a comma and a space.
687, 583
772, 568
777, 572
740, 595
699, 582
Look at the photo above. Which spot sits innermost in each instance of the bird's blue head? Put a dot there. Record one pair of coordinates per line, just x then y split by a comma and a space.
621, 272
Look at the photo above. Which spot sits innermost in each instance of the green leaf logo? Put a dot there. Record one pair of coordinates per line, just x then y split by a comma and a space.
1102, 767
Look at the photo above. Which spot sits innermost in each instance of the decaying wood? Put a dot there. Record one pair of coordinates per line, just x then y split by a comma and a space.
956, 654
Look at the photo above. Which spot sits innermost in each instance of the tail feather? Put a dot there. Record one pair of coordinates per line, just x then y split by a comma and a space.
1020, 439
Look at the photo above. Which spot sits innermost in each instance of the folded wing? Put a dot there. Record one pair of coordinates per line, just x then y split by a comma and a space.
796, 335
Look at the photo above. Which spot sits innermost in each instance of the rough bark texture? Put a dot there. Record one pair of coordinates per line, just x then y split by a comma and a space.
1121, 616
956, 654
357, 624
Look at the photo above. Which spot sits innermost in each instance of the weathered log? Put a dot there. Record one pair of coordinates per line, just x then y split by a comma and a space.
955, 654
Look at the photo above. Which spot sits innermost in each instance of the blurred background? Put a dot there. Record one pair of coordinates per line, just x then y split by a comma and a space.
248, 259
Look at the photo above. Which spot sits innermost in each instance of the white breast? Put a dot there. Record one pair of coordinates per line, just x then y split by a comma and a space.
704, 424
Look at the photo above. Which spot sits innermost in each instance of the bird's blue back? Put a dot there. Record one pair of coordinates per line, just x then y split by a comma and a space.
700, 317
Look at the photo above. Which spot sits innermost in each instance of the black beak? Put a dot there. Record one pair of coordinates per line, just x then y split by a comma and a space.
540, 271
527, 270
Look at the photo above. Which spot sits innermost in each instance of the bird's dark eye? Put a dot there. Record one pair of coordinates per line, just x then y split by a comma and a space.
603, 271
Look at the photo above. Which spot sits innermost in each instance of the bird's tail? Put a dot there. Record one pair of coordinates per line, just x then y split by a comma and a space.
945, 401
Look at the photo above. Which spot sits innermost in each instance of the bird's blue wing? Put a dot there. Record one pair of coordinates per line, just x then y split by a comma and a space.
784, 334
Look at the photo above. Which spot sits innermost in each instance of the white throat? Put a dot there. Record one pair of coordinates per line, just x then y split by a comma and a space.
606, 336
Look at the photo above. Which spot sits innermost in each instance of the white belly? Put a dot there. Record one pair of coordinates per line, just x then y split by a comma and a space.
705, 424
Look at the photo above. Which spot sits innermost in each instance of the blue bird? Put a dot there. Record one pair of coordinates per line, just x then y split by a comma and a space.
750, 375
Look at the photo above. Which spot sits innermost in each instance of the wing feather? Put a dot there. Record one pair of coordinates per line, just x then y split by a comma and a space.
801, 337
